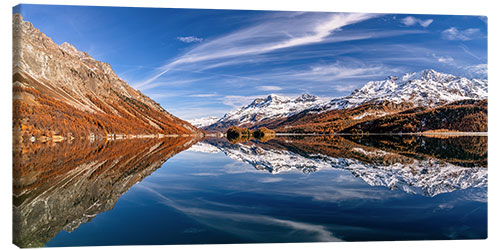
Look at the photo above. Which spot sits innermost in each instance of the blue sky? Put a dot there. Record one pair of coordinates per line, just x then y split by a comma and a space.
197, 63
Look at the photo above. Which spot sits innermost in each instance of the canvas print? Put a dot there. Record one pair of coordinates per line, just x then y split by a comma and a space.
160, 126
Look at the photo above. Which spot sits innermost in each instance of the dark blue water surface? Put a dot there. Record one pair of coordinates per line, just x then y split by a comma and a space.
223, 197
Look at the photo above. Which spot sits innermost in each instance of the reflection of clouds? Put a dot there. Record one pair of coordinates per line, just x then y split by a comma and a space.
477, 196
242, 224
270, 180
202, 147
331, 193
343, 178
205, 174
237, 167
446, 206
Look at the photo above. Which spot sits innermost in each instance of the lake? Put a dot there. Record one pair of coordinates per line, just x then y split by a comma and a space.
287, 189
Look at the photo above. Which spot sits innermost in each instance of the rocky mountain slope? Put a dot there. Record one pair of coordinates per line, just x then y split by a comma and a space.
466, 116
61, 92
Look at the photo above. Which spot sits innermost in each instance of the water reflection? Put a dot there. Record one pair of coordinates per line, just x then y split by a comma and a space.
417, 165
284, 189
63, 185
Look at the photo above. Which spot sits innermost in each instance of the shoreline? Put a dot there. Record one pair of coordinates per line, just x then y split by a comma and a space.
413, 133
220, 135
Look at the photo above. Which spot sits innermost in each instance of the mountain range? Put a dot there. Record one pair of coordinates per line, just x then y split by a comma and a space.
423, 91
60, 92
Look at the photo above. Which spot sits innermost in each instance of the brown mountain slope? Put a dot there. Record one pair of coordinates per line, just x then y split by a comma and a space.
466, 116
58, 90
334, 120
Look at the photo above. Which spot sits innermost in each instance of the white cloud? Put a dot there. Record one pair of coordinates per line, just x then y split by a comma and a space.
279, 32
410, 21
443, 59
190, 39
203, 95
270, 36
269, 88
333, 71
345, 87
462, 35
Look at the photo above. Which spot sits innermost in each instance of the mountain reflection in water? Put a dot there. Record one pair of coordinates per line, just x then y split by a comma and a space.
62, 186
424, 165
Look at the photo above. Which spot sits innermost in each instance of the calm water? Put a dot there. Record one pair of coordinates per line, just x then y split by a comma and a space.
293, 189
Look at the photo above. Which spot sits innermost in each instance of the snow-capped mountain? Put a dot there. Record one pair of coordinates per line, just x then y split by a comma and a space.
270, 107
204, 121
427, 88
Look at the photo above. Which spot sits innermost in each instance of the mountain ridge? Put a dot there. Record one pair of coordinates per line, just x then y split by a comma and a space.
63, 92
427, 88
271, 107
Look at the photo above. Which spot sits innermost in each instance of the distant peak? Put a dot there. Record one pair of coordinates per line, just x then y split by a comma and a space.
392, 78
274, 97
306, 98
430, 74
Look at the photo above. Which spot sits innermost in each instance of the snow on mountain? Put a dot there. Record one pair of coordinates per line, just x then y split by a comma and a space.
204, 121
204, 148
425, 88
428, 177
271, 107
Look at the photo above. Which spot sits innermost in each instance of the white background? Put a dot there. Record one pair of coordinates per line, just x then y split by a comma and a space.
471, 7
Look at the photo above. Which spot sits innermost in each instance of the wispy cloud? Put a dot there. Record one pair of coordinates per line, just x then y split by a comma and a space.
331, 72
410, 21
278, 33
269, 88
443, 59
203, 95
190, 39
467, 51
462, 35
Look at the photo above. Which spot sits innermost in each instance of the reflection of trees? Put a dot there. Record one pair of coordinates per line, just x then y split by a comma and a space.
465, 151
60, 186
238, 135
